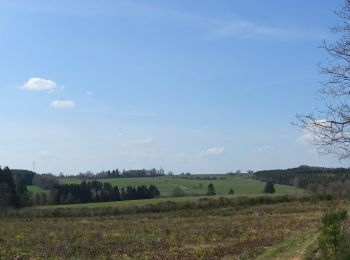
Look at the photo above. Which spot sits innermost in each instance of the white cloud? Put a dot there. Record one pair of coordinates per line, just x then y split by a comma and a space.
39, 84
243, 29
307, 135
217, 28
213, 151
62, 104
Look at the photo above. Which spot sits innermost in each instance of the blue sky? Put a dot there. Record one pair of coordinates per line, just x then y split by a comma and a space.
201, 86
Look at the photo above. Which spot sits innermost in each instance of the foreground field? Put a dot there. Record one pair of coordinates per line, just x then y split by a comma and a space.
226, 232
145, 202
222, 184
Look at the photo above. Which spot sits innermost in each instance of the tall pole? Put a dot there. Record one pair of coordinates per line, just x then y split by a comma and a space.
33, 166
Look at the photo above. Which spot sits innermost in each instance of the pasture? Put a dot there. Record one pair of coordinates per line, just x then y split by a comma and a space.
195, 187
35, 189
146, 202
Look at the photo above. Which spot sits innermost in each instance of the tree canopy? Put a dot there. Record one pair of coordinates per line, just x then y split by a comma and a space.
13, 192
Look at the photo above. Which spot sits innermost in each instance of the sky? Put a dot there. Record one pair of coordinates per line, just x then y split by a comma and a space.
198, 86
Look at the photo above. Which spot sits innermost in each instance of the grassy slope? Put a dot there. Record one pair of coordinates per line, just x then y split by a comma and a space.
35, 189
294, 248
166, 185
126, 203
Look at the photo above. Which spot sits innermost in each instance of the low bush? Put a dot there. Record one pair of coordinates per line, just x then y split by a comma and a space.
333, 242
202, 203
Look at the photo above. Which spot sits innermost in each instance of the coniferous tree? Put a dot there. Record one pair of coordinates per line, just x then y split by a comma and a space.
269, 187
9, 196
211, 190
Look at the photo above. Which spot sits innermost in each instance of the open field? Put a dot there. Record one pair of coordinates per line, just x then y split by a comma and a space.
297, 247
144, 202
184, 234
35, 189
222, 184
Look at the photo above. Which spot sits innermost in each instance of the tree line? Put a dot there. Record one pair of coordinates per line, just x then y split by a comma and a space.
14, 193
13, 190
118, 174
96, 191
304, 176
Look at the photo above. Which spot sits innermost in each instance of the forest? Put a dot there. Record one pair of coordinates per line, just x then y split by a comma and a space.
95, 191
304, 176
14, 193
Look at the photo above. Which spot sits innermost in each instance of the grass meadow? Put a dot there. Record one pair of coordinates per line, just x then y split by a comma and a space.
35, 189
195, 187
146, 202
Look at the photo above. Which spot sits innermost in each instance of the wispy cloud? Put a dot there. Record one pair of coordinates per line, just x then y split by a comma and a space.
217, 28
180, 155
305, 137
213, 26
39, 84
141, 141
308, 135
44, 154
262, 149
62, 104
212, 151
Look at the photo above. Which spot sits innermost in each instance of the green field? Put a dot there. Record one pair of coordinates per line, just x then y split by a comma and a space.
36, 189
127, 203
193, 187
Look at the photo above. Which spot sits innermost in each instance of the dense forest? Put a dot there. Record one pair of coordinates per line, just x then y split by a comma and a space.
14, 193
304, 176
96, 191
13, 188
24, 176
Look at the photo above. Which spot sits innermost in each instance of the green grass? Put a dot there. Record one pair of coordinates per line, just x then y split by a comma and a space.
293, 248
127, 203
36, 189
166, 185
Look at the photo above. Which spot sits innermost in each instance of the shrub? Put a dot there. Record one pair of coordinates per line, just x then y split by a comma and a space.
178, 192
269, 187
211, 190
332, 241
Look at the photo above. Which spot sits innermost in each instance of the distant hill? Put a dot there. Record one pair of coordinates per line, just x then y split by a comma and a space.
303, 175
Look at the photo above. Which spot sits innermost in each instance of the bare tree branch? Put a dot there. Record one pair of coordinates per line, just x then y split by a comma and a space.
330, 129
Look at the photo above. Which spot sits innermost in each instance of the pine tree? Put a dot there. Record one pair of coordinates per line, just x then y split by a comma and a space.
269, 187
211, 190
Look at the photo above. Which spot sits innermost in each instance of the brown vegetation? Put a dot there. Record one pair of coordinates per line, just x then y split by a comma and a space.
185, 234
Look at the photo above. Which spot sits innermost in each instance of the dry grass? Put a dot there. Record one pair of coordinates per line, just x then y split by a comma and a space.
191, 234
